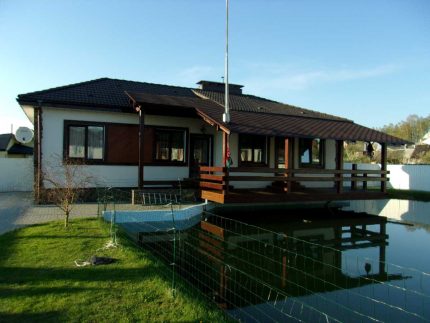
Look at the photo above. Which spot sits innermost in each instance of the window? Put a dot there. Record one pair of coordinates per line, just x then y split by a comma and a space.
311, 152
252, 149
85, 142
170, 145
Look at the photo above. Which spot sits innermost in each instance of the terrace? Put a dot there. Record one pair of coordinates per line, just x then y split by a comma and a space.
234, 185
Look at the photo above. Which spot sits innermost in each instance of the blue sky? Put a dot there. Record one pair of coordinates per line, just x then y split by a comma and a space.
365, 60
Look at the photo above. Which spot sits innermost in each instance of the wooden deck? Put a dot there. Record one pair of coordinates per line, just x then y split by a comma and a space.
288, 185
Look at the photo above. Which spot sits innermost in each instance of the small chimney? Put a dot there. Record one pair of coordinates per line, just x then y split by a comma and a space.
234, 89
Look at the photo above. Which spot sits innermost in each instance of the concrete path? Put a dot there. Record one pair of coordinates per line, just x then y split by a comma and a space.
17, 210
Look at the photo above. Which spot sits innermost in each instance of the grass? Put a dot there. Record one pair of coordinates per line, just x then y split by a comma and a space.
40, 282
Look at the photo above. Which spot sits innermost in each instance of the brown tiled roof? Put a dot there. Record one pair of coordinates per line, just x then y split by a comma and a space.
250, 103
103, 92
249, 114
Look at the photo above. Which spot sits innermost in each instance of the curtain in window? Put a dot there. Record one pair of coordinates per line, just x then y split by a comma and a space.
77, 142
177, 153
162, 146
252, 148
95, 142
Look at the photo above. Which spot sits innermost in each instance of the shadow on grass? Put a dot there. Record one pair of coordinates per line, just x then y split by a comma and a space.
42, 291
19, 275
52, 316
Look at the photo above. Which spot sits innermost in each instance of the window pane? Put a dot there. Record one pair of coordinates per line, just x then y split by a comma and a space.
76, 142
162, 146
252, 148
258, 155
246, 155
201, 151
316, 151
95, 142
177, 139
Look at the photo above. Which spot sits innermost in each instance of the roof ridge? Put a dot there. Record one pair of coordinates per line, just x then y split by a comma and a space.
63, 87
150, 83
115, 80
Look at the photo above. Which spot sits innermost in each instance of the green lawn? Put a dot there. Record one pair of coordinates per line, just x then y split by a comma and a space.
40, 282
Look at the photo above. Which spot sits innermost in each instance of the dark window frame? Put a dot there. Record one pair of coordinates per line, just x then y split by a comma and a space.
169, 162
255, 145
321, 153
66, 141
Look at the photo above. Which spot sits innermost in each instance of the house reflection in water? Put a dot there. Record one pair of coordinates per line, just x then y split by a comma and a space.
241, 266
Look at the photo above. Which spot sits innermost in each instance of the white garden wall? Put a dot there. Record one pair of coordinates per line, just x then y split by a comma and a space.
16, 174
403, 177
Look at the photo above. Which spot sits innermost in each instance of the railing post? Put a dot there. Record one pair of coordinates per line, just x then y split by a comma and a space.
226, 173
364, 181
339, 166
353, 183
225, 149
383, 167
288, 163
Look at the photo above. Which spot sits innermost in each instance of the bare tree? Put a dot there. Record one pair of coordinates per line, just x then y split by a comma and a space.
65, 181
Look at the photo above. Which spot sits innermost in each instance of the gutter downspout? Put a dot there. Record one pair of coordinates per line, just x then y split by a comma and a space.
38, 158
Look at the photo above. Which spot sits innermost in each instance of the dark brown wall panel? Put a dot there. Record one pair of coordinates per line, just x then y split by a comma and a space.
148, 142
122, 144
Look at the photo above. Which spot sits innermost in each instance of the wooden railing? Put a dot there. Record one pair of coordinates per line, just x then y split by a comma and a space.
219, 178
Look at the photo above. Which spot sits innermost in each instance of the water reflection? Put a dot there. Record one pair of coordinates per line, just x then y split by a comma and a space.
402, 210
298, 269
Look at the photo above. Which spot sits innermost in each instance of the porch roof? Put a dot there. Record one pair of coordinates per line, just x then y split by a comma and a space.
252, 115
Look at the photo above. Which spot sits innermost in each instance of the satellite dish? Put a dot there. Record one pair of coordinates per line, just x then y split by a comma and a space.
24, 135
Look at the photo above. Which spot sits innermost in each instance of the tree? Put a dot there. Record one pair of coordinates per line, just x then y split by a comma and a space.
355, 153
412, 129
65, 181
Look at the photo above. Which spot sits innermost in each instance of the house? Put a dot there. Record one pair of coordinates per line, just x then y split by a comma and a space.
11, 148
136, 134
426, 139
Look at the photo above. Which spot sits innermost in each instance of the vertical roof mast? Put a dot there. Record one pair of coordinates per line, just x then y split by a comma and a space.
226, 115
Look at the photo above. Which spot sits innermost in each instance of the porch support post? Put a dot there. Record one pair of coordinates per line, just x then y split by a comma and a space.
339, 166
141, 148
383, 167
353, 176
225, 149
288, 154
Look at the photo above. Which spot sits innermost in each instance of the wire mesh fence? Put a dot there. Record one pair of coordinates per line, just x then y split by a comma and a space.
308, 272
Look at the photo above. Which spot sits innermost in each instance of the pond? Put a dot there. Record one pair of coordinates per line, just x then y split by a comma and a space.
305, 265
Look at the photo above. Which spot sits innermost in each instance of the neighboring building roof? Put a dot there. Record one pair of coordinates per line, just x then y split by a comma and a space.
426, 138
4, 141
18, 149
249, 114
419, 151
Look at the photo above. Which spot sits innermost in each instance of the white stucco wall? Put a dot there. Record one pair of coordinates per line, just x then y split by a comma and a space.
116, 175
